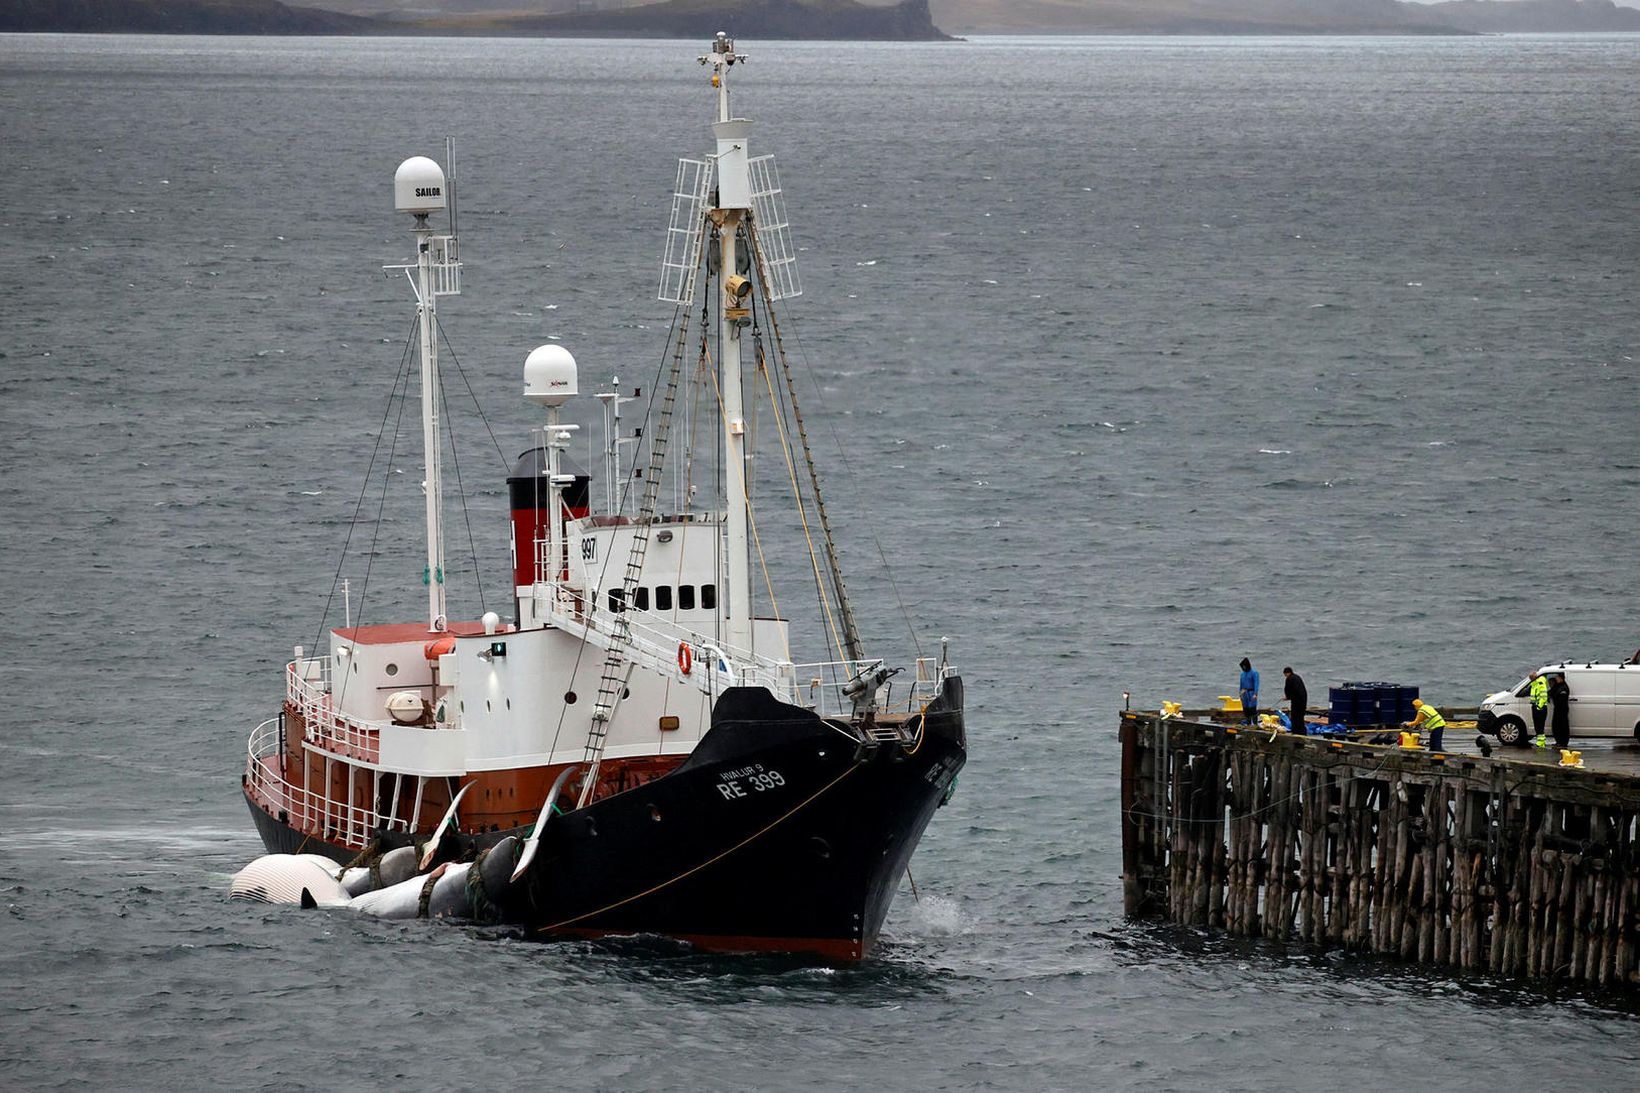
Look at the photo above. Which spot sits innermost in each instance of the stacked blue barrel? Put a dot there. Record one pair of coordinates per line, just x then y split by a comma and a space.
1370, 705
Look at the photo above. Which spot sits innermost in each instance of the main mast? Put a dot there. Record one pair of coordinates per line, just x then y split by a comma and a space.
734, 198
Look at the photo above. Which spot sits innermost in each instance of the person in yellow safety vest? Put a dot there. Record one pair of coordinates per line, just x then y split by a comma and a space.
1429, 719
1540, 708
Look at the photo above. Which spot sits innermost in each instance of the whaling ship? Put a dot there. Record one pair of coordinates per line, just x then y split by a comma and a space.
636, 738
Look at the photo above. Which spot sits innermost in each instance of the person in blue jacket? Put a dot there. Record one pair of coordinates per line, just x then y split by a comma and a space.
1249, 693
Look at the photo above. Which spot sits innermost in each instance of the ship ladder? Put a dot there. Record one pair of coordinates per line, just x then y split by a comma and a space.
617, 671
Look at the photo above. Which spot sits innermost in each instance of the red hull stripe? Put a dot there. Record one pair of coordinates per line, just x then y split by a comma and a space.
832, 948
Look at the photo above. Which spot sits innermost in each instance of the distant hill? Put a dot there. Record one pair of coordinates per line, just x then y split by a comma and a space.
1279, 16
176, 17
907, 20
900, 20
1534, 16
1185, 17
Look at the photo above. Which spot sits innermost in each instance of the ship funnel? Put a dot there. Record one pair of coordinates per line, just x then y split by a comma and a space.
418, 186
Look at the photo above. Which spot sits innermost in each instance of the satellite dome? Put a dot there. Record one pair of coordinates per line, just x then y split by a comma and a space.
418, 186
549, 376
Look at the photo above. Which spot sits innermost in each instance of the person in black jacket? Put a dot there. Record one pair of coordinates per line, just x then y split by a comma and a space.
1560, 715
1298, 699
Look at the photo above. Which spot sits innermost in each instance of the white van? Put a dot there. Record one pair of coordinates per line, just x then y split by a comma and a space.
1605, 702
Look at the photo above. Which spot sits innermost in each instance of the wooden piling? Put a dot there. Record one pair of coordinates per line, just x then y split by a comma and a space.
1484, 865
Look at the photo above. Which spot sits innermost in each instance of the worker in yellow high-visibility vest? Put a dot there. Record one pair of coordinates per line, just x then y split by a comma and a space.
1539, 693
1428, 719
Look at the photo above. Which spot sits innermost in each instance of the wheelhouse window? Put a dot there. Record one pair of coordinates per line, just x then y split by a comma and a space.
640, 599
663, 597
708, 596
617, 599
686, 597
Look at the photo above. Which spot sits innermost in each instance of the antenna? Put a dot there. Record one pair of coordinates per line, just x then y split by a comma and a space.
450, 180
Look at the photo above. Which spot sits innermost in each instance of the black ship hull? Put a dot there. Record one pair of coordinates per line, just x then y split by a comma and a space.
781, 832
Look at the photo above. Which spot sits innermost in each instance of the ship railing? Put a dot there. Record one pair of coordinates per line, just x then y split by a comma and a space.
822, 686
311, 813
307, 686
653, 641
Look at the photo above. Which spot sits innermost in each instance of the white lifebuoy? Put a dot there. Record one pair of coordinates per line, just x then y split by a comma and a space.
686, 657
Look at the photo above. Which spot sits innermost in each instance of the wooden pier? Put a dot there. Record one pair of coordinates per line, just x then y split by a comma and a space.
1493, 865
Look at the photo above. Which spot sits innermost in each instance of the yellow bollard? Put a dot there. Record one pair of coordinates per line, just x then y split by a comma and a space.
1410, 740
1171, 709
1570, 758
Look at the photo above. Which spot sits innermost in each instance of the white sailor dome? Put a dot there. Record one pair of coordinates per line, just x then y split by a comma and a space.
418, 186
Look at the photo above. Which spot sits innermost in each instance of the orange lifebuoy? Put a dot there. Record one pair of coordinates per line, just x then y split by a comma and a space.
686, 657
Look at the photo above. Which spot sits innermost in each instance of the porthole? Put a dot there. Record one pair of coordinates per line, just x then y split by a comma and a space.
509, 703
392, 669
486, 705
626, 692
463, 705
569, 698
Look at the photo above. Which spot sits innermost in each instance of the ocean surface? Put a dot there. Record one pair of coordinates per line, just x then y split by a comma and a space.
1134, 356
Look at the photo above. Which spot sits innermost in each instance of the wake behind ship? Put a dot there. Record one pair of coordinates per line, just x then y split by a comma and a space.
634, 750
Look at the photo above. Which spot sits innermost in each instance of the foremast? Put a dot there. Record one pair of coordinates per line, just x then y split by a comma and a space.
733, 201
742, 198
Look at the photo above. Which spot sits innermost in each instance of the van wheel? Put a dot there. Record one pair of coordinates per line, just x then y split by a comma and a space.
1512, 730
1637, 730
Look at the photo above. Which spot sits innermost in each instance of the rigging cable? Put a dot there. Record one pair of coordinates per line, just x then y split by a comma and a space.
785, 366
797, 490
375, 533
462, 372
751, 518
364, 486
461, 495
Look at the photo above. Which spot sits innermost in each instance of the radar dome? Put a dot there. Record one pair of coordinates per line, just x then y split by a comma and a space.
549, 376
418, 186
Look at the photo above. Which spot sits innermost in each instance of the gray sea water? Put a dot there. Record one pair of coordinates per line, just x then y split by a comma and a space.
1134, 356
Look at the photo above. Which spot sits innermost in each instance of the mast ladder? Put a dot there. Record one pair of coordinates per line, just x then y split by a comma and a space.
617, 669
